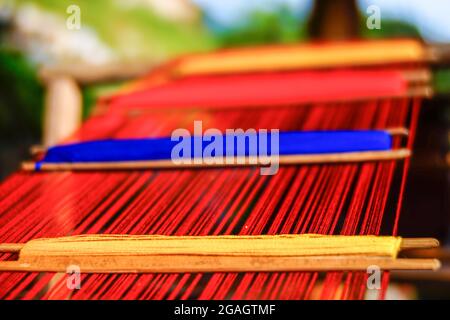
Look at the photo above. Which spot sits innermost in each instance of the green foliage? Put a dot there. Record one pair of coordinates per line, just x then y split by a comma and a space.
262, 27
21, 96
441, 81
134, 29
128, 30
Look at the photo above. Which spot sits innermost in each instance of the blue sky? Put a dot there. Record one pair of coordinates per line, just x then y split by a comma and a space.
432, 17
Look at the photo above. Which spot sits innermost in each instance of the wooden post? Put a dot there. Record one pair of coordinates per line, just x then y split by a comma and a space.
334, 20
63, 109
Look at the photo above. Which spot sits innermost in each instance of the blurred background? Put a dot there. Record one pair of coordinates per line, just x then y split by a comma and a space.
34, 36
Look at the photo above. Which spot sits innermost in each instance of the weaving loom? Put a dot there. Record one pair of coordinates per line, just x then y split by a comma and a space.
331, 199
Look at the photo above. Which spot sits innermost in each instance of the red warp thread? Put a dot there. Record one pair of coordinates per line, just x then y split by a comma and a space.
329, 199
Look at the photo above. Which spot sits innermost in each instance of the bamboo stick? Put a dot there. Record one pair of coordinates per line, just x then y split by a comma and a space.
169, 254
37, 149
419, 243
200, 264
425, 91
87, 73
306, 56
415, 76
400, 131
238, 161
438, 53
393, 131
11, 247
312, 56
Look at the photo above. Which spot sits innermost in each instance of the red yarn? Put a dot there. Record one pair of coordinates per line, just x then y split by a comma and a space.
267, 89
328, 199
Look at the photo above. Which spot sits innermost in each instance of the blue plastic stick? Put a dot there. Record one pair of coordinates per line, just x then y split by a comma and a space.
290, 143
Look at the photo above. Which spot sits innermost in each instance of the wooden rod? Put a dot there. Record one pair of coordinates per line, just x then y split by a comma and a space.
393, 131
417, 75
89, 73
238, 161
438, 53
419, 243
55, 255
201, 264
425, 91
11, 247
305, 56
399, 131
37, 149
